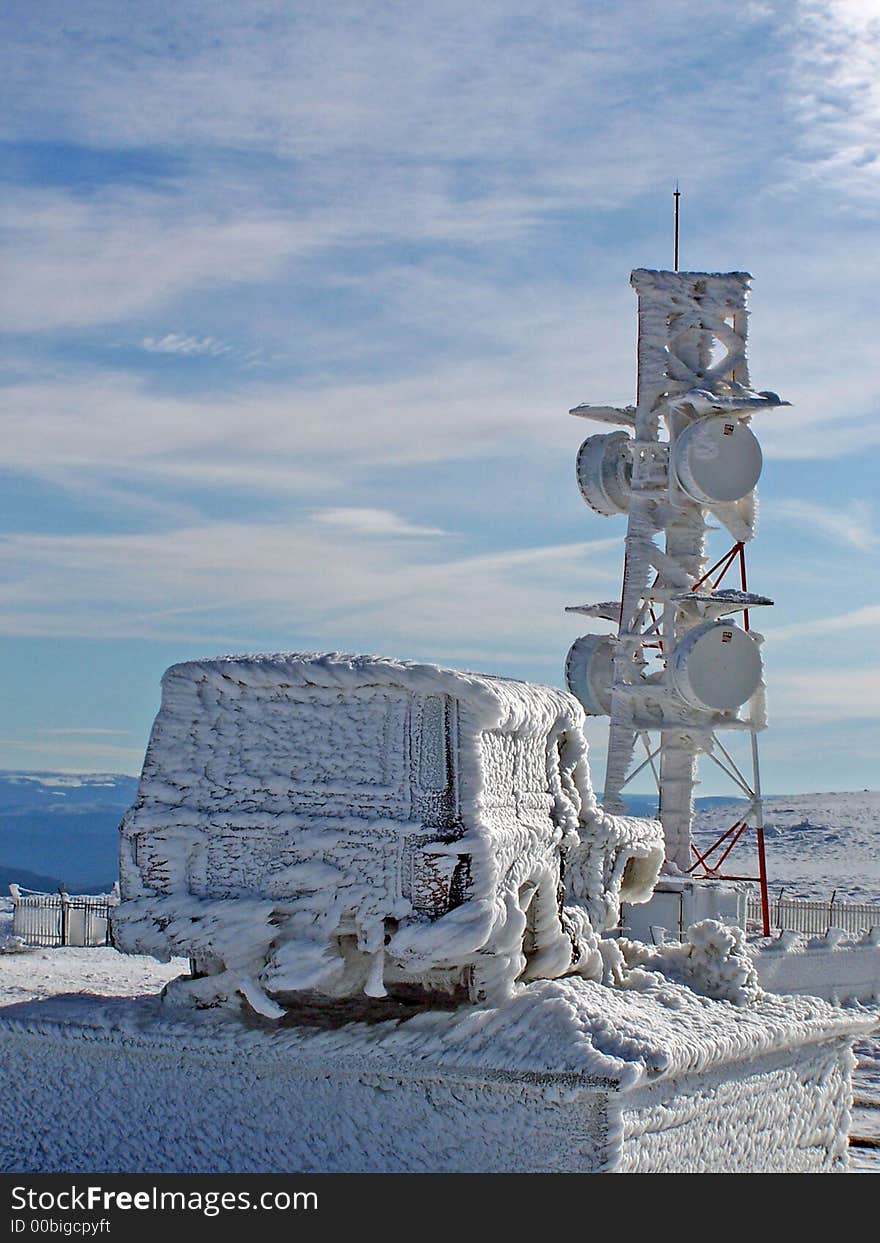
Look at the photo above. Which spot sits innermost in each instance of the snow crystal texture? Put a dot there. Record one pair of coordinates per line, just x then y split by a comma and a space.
567, 1075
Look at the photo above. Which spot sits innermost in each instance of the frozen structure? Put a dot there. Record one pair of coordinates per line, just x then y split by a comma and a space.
685, 664
405, 868
565, 1075
682, 677
339, 826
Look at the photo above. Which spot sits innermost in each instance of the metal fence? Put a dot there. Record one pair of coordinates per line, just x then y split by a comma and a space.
61, 918
815, 915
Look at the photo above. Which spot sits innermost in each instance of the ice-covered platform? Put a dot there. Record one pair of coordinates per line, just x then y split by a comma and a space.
835, 966
567, 1075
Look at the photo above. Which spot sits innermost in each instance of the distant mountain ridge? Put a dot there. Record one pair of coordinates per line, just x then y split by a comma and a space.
62, 827
58, 827
34, 880
27, 790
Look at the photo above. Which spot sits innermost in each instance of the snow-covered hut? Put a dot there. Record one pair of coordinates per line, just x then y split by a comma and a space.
340, 825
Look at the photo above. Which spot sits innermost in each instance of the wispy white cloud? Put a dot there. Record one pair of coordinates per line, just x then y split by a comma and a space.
822, 434
287, 437
865, 618
74, 262
841, 694
86, 733
422, 217
455, 79
370, 522
73, 755
850, 524
183, 343
440, 125
303, 581
836, 88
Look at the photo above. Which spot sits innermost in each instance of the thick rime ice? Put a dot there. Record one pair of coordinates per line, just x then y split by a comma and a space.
693, 386
650, 1028
345, 824
562, 1075
714, 961
648, 1075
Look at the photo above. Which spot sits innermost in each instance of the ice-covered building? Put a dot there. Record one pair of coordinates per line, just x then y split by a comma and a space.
310, 829
344, 825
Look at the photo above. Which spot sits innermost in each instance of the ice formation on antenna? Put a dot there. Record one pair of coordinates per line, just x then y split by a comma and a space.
686, 455
330, 825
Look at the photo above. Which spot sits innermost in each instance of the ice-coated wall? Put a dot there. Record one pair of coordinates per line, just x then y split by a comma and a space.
282, 1117
352, 825
788, 1114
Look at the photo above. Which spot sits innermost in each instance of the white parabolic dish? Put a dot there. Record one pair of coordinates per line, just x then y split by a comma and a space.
717, 460
716, 666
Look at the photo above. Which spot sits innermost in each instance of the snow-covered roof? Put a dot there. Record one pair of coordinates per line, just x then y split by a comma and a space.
497, 702
663, 279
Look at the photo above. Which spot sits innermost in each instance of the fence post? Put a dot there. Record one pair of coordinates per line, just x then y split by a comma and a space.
65, 919
809, 915
831, 911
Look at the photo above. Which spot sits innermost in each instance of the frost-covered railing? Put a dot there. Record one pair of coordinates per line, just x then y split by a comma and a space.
51, 919
816, 915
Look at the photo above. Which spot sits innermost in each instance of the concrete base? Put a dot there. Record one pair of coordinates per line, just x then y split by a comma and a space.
120, 1087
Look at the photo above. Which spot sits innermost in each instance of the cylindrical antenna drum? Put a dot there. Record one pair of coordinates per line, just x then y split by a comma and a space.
589, 670
604, 472
716, 667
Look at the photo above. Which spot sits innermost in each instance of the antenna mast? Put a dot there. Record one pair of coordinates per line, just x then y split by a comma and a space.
680, 672
676, 195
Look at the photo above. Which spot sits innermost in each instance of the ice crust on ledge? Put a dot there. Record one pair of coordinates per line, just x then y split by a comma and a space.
646, 1029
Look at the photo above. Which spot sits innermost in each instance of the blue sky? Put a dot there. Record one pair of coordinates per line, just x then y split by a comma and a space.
296, 297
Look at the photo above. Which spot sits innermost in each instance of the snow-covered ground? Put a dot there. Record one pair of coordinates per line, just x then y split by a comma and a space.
35, 973
816, 844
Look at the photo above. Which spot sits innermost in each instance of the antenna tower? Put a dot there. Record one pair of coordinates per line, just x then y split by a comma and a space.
685, 665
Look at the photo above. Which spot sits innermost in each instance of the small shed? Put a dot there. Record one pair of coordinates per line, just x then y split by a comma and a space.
348, 825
